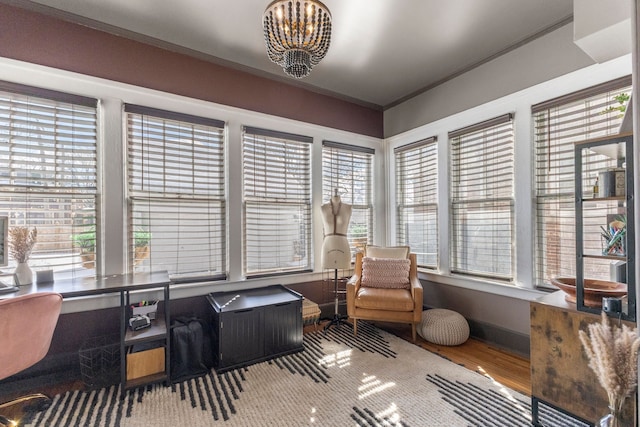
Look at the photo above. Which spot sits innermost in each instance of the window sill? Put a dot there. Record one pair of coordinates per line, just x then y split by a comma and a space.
496, 288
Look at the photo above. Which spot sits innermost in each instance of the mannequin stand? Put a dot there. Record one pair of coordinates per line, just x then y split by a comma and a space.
337, 317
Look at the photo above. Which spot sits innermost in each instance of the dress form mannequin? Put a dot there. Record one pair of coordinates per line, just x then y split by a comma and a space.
336, 253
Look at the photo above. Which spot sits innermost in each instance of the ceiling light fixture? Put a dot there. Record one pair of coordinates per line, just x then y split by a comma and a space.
297, 34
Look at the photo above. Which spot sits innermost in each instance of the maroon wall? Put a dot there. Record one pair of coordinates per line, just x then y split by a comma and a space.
33, 37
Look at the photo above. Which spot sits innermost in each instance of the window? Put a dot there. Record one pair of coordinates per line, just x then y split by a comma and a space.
276, 202
417, 199
559, 123
176, 194
348, 169
482, 203
48, 174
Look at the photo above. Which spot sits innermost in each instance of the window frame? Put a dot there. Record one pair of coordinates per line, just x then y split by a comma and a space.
290, 197
493, 205
417, 156
65, 128
336, 157
561, 252
193, 149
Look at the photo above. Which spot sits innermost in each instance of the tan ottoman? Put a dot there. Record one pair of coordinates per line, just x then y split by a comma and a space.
310, 312
444, 327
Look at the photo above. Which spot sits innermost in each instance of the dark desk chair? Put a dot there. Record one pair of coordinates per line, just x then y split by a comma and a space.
26, 327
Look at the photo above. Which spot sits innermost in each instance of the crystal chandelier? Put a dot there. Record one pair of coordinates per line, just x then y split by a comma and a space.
297, 34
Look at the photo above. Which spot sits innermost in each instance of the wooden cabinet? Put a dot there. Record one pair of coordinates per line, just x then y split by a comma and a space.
560, 372
253, 325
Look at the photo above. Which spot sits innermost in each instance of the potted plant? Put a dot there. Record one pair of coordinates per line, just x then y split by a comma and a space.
86, 242
358, 235
141, 241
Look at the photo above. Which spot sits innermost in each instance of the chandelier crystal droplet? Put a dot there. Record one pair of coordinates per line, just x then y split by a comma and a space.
297, 34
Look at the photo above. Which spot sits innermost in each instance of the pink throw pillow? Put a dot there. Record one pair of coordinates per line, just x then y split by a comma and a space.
385, 273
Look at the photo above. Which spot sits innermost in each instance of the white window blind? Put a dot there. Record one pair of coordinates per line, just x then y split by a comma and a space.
176, 194
559, 124
348, 169
482, 200
48, 174
276, 202
417, 199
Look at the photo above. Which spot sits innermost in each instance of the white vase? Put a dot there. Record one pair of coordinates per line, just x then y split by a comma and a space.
24, 274
610, 420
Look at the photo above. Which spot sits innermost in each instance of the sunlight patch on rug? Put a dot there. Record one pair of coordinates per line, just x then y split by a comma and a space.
340, 359
371, 385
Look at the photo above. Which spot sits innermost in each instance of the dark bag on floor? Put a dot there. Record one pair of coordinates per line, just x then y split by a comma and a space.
191, 354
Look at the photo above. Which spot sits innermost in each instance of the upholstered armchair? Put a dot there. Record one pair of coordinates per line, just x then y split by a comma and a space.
385, 287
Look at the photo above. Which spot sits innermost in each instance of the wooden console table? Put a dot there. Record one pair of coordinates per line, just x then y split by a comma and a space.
560, 372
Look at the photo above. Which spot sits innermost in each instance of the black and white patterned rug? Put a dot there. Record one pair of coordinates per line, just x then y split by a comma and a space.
374, 379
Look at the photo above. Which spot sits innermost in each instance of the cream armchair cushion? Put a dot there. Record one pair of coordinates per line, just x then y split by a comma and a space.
387, 273
396, 252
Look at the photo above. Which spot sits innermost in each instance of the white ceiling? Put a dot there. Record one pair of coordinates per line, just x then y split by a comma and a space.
382, 51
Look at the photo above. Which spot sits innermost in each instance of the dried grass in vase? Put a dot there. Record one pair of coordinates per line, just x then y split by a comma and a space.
613, 357
21, 242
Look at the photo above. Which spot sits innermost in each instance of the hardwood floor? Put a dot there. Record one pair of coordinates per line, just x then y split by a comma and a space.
508, 369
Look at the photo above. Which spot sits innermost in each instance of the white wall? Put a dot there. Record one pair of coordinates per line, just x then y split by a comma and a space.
502, 312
